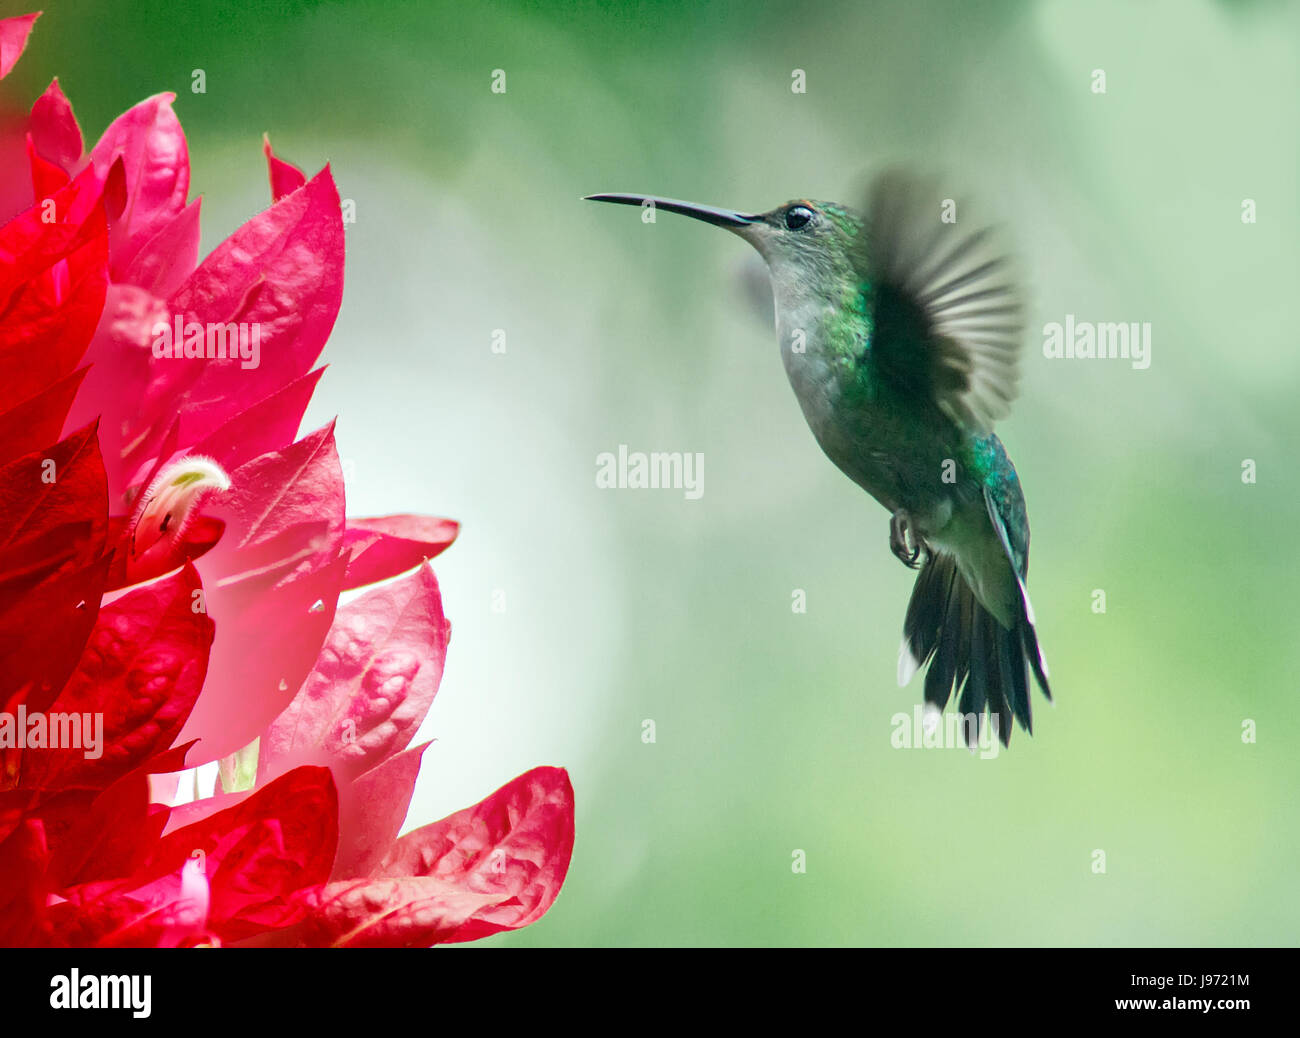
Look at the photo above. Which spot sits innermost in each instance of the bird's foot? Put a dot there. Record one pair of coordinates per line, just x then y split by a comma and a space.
904, 541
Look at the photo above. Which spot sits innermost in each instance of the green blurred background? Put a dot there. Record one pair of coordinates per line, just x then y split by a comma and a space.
773, 728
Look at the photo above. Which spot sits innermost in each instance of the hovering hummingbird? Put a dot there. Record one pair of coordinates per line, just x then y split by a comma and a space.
900, 335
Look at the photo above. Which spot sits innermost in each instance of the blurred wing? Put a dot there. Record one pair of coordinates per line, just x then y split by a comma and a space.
946, 306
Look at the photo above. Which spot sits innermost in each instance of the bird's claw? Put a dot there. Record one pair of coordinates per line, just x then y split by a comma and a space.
900, 529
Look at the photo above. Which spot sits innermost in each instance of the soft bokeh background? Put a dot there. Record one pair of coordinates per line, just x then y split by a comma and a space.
773, 729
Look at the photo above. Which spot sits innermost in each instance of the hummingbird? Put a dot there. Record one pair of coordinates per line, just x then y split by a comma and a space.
900, 335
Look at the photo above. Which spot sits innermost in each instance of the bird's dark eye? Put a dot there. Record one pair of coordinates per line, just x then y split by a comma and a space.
798, 216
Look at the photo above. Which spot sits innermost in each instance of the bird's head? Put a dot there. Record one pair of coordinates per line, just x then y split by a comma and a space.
808, 245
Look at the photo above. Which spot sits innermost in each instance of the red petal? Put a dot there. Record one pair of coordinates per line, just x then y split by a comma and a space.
282, 271
112, 836
120, 359
41, 640
170, 256
50, 319
371, 812
56, 497
268, 425
496, 866
197, 810
36, 421
397, 912
279, 840
272, 588
42, 636
142, 671
52, 283
52, 567
286, 178
47, 177
376, 677
23, 884
52, 229
256, 856
388, 545
13, 39
155, 159
197, 539
54, 129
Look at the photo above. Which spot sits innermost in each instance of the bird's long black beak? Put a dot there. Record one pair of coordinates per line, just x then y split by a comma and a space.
709, 214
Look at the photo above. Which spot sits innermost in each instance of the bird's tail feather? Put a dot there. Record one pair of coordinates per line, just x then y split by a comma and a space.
969, 650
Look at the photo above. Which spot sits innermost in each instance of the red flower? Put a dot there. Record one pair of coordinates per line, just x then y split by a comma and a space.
171, 559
